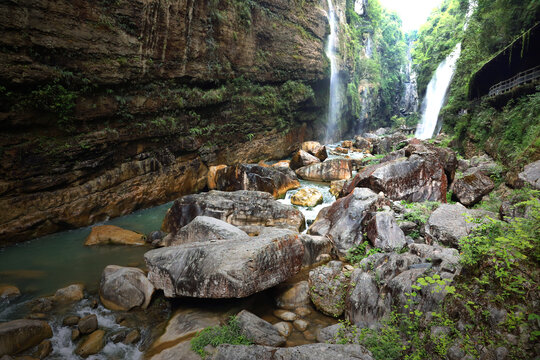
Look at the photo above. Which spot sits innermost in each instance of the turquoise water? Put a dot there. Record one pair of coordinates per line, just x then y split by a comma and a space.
43, 265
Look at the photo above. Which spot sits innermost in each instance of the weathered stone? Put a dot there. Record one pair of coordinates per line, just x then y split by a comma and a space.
363, 144
255, 177
315, 247
362, 303
205, 228
211, 178
291, 296
388, 143
123, 288
88, 324
303, 311
531, 175
285, 315
329, 170
336, 186
113, 235
75, 334
92, 344
244, 352
283, 328
19, 335
71, 320
132, 337
71, 293
300, 325
342, 221
471, 188
236, 208
347, 144
259, 331
315, 149
327, 288
307, 197
442, 258
9, 291
43, 349
383, 232
302, 158
226, 268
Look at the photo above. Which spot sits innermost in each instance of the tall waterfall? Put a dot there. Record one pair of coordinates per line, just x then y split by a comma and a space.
333, 101
435, 94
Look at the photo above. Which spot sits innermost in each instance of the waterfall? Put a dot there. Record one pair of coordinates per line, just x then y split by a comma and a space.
333, 101
435, 94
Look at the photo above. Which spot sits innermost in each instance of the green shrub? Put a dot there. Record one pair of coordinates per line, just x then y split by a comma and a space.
359, 252
217, 335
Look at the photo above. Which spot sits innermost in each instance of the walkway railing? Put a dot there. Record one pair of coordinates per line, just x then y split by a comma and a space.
521, 78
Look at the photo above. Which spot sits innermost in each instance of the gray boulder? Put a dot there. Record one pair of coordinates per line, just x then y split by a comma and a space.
531, 175
237, 208
383, 232
314, 247
19, 335
471, 188
226, 268
205, 228
124, 288
260, 331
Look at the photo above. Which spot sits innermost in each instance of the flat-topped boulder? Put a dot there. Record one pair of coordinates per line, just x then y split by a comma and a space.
472, 187
238, 208
226, 268
204, 228
329, 170
256, 178
19, 335
113, 235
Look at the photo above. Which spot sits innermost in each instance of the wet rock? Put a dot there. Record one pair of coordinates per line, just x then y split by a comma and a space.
236, 208
259, 331
314, 248
132, 337
348, 144
155, 237
211, 177
309, 336
384, 233
283, 328
19, 335
336, 187
71, 293
531, 175
255, 177
113, 235
327, 288
75, 334
302, 158
471, 188
71, 320
92, 344
342, 221
118, 336
205, 228
363, 144
307, 197
302, 311
226, 268
43, 349
300, 325
9, 291
285, 315
448, 223
88, 324
124, 288
291, 296
330, 170
315, 149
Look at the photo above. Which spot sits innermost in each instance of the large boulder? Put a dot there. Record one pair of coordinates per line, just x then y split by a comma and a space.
315, 247
384, 233
237, 208
302, 158
19, 335
328, 287
226, 268
472, 187
259, 331
204, 228
330, 170
307, 197
388, 143
256, 178
315, 148
124, 288
114, 235
363, 144
343, 220
449, 223
531, 175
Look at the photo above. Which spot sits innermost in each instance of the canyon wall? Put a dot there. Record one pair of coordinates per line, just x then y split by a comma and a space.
112, 106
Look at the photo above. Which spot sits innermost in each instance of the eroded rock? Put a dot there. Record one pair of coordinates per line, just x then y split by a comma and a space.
292, 296
259, 331
384, 233
315, 149
327, 288
113, 235
329, 170
124, 288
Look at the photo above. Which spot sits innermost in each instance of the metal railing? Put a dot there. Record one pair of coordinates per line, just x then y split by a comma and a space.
521, 78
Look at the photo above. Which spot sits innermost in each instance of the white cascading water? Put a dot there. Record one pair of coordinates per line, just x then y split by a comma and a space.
435, 94
333, 102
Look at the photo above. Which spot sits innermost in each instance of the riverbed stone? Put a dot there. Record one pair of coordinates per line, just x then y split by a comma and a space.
124, 288
470, 188
327, 171
132, 337
88, 324
302, 158
327, 288
43, 349
70, 320
19, 335
384, 233
113, 235
292, 296
71, 293
308, 197
343, 220
531, 175
237, 208
315, 148
9, 291
316, 247
92, 344
226, 268
285, 315
336, 187
204, 228
300, 325
255, 177
259, 331
283, 328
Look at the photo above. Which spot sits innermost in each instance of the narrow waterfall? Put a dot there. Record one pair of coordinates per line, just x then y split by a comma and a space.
333, 101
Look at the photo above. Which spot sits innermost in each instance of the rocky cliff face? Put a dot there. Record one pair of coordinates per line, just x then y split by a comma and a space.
111, 106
